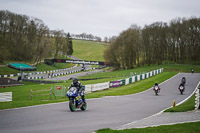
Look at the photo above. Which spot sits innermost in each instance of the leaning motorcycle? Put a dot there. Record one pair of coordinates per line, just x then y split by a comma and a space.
75, 100
181, 89
156, 90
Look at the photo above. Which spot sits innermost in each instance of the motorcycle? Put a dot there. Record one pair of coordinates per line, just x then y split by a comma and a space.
192, 70
181, 89
75, 100
156, 89
183, 80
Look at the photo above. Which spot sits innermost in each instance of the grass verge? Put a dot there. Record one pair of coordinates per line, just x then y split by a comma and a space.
186, 106
192, 127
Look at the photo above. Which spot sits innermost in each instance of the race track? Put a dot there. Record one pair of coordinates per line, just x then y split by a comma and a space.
107, 112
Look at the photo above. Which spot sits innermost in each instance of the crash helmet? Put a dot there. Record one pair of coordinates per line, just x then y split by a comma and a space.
75, 81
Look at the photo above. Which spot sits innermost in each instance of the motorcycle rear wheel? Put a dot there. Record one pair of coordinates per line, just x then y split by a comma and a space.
156, 92
84, 106
181, 92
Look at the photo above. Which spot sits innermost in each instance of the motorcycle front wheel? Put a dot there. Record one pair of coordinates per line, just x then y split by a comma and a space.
72, 105
156, 92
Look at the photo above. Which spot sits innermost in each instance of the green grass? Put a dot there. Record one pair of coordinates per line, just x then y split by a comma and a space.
181, 67
21, 95
88, 50
186, 106
7, 70
193, 127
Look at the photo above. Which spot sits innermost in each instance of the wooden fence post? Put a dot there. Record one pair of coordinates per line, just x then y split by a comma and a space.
31, 94
51, 94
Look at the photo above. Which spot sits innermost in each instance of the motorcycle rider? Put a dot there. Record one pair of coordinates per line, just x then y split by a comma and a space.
183, 85
156, 84
183, 80
192, 70
78, 85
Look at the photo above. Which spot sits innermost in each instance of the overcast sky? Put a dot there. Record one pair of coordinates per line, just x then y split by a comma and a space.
102, 17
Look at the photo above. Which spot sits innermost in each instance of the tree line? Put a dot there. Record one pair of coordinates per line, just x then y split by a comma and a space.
24, 38
85, 36
177, 41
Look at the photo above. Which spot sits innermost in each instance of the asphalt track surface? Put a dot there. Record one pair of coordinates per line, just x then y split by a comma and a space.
107, 112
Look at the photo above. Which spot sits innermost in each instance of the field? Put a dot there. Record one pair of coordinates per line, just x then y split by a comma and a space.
88, 50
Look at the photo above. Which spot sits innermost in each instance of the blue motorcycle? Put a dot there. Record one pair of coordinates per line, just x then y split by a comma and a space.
75, 100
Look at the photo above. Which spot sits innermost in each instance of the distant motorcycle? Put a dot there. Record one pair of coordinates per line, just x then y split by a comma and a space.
156, 90
192, 70
181, 88
75, 100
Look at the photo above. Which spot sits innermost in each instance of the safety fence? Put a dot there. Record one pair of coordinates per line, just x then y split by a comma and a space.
58, 91
121, 82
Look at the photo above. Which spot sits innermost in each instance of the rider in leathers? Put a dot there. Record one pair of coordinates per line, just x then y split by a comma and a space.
79, 87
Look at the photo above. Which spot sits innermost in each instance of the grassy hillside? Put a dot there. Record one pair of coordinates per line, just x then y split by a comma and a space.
88, 50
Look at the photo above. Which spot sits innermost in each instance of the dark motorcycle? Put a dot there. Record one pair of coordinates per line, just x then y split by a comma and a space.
183, 80
75, 99
192, 71
156, 90
181, 88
